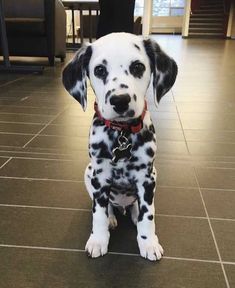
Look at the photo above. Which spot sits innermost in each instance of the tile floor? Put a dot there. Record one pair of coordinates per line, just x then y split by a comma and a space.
45, 216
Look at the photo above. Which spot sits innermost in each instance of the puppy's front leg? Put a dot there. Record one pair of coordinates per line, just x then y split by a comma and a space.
97, 244
147, 239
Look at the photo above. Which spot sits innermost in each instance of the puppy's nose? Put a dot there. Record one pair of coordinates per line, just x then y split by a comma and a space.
120, 102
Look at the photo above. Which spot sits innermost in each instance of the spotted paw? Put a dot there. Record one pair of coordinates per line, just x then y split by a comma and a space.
97, 246
150, 248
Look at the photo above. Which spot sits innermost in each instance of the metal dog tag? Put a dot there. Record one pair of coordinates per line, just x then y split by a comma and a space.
123, 151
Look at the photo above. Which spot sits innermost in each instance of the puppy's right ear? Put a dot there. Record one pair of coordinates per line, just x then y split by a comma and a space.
75, 73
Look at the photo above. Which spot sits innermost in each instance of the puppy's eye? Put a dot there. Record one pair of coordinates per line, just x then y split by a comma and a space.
100, 71
137, 69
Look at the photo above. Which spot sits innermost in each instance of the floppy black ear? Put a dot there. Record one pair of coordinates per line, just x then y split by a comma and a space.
164, 69
75, 73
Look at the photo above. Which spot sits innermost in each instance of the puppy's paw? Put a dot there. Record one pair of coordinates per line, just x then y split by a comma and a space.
112, 222
97, 246
150, 248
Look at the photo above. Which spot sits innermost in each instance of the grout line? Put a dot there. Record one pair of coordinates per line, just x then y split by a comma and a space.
212, 231
42, 179
8, 160
57, 115
111, 253
25, 123
27, 114
89, 210
12, 81
81, 181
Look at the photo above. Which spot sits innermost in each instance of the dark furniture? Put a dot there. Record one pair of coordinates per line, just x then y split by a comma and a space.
85, 20
36, 28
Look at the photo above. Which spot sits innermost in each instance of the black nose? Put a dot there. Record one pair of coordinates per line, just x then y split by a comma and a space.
120, 102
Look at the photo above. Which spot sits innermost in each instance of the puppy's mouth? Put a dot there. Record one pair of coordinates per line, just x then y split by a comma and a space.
124, 113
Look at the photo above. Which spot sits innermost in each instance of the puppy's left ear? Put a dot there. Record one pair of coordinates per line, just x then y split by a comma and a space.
75, 73
164, 69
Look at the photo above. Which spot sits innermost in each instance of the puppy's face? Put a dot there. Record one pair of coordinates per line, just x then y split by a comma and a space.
122, 69
119, 72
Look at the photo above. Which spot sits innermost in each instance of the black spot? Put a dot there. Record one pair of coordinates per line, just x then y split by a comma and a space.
93, 206
99, 161
160, 89
148, 194
143, 210
95, 183
103, 153
97, 122
136, 46
115, 78
149, 152
151, 128
105, 62
111, 197
123, 86
137, 69
142, 138
143, 166
167, 80
103, 201
134, 159
107, 95
105, 190
127, 174
143, 237
162, 62
89, 167
150, 217
126, 72
135, 97
99, 171
130, 113
93, 132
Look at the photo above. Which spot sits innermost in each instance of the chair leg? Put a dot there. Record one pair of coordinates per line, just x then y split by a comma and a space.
51, 60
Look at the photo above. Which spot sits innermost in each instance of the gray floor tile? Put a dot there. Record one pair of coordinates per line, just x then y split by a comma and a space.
46, 169
175, 174
36, 269
27, 128
219, 203
67, 130
14, 140
23, 118
3, 160
179, 201
230, 271
210, 136
215, 178
225, 237
44, 193
58, 142
186, 238
212, 149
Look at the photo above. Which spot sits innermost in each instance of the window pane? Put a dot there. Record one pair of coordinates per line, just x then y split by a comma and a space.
139, 7
177, 12
161, 12
161, 3
177, 3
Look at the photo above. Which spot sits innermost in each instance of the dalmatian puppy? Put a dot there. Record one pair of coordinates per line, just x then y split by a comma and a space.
123, 70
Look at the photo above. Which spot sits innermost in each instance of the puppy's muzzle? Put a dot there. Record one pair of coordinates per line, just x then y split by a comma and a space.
120, 103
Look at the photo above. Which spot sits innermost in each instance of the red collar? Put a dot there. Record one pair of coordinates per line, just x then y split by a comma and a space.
120, 126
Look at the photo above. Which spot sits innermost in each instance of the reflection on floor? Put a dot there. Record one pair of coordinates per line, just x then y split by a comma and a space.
45, 216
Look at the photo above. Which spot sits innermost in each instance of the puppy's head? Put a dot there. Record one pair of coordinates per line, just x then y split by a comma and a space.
123, 69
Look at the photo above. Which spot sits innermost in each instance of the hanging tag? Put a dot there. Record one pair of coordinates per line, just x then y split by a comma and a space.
123, 151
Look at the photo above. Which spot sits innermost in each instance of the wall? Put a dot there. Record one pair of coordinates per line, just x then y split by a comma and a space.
166, 24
